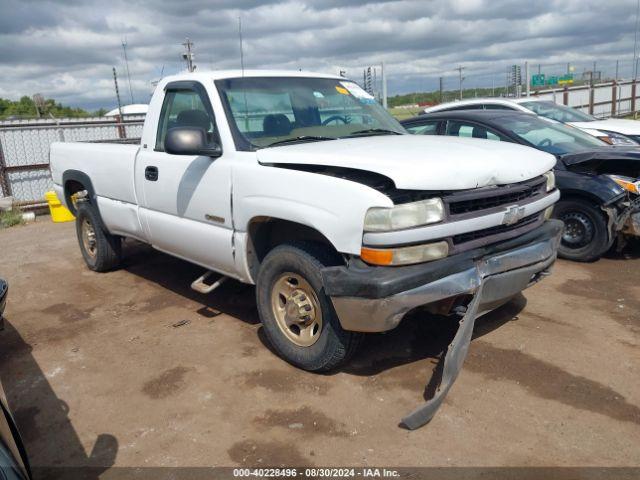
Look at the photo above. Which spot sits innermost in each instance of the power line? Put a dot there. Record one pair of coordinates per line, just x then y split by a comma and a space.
126, 62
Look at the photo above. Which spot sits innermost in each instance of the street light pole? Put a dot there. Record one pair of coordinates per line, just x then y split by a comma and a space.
461, 78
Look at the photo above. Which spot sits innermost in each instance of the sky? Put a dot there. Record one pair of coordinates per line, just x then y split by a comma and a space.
66, 49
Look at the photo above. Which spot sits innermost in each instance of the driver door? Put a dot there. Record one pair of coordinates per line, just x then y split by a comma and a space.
186, 199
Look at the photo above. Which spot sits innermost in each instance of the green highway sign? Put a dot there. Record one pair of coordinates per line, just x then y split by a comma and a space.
538, 80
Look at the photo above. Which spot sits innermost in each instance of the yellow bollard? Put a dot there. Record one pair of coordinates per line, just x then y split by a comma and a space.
59, 212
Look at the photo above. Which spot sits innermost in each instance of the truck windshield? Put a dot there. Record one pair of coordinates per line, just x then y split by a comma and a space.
265, 111
559, 113
547, 136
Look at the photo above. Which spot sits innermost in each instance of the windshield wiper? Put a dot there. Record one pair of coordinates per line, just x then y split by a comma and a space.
300, 138
380, 131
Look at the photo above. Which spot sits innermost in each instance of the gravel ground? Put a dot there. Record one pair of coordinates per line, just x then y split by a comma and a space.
132, 368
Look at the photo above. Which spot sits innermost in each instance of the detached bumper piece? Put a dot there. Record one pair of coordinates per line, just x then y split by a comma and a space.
491, 276
4, 290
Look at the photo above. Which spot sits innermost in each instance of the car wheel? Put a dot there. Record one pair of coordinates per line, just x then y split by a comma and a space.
101, 250
298, 318
585, 236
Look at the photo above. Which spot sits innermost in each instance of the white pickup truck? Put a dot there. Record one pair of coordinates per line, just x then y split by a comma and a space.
304, 186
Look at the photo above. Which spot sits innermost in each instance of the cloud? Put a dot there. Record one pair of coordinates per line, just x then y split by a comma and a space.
66, 49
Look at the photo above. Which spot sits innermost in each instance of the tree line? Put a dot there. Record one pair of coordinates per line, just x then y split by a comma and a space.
26, 107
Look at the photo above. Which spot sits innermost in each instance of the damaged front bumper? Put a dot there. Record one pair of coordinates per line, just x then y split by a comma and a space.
375, 299
628, 222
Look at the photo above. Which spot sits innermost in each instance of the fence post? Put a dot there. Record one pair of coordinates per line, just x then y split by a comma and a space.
614, 92
565, 96
633, 96
4, 176
120, 126
592, 92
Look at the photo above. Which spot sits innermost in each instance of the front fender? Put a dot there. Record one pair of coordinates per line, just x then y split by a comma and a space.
599, 188
333, 206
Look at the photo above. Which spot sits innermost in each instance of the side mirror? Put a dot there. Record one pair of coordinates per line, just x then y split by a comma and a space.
190, 141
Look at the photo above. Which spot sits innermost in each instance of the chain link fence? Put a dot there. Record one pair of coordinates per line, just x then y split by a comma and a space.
24, 149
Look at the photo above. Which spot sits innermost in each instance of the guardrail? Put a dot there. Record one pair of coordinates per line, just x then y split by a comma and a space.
24, 150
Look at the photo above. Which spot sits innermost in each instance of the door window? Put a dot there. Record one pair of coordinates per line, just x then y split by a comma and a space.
429, 128
457, 128
183, 108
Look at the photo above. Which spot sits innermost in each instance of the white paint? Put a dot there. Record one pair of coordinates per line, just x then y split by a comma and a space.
239, 187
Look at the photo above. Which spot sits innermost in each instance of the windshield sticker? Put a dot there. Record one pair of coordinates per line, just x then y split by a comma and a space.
357, 91
341, 90
318, 94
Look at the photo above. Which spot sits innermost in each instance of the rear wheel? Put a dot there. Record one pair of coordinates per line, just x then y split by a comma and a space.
585, 236
101, 250
298, 318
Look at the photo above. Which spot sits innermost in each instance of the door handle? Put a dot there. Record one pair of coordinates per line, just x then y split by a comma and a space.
151, 173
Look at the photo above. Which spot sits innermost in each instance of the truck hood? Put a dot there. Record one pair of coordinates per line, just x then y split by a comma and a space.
617, 125
417, 162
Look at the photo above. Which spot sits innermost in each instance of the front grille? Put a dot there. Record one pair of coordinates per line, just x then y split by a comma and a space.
485, 199
494, 231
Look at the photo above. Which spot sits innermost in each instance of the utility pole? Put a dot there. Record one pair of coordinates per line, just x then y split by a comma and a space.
441, 89
526, 78
188, 54
460, 78
617, 64
126, 63
121, 130
635, 44
384, 85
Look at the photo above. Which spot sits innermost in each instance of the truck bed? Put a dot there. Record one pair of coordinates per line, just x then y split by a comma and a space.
109, 165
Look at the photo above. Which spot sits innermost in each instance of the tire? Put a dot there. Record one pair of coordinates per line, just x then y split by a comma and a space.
285, 272
586, 235
101, 250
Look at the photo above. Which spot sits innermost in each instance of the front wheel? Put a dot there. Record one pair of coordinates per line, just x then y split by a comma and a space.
586, 235
298, 318
101, 250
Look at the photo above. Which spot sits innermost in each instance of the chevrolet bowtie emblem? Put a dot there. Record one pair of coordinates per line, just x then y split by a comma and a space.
513, 215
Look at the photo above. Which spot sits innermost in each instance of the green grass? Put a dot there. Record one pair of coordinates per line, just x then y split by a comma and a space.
404, 113
11, 218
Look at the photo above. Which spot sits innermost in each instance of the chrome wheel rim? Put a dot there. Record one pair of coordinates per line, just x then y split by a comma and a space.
89, 238
296, 309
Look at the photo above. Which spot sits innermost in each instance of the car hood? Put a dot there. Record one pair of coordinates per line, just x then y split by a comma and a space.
417, 162
602, 155
617, 125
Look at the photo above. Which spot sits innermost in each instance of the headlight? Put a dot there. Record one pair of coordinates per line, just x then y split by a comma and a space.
405, 255
407, 215
617, 139
627, 183
551, 180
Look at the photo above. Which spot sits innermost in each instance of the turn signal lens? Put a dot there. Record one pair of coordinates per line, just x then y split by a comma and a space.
548, 212
551, 180
405, 255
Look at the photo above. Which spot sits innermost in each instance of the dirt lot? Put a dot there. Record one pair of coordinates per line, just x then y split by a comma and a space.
132, 368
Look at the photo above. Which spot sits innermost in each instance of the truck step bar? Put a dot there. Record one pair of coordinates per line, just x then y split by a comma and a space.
200, 286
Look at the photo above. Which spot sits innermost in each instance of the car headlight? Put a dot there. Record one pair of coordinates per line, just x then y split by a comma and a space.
613, 138
627, 183
405, 255
551, 180
407, 215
